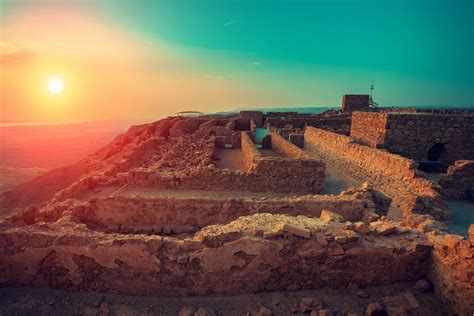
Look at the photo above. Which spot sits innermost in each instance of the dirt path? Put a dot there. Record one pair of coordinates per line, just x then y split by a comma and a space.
40, 301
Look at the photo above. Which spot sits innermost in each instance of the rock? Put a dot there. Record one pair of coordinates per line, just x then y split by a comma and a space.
422, 286
375, 309
187, 311
411, 299
296, 230
204, 311
361, 228
104, 309
264, 311
322, 312
329, 216
307, 304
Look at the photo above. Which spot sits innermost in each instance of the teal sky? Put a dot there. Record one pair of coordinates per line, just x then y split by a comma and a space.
416, 52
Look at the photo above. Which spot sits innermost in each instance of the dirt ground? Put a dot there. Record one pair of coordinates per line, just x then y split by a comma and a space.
41, 301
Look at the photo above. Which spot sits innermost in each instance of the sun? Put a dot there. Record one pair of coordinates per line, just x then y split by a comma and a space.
55, 85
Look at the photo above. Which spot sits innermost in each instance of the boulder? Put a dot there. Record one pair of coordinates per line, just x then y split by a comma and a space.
308, 304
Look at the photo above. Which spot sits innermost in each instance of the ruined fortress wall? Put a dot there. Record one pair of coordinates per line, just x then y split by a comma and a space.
256, 116
393, 175
412, 135
168, 266
451, 271
185, 126
339, 124
368, 128
250, 153
285, 148
458, 179
291, 172
190, 214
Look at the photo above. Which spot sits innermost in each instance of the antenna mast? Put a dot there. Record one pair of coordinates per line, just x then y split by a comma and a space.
372, 103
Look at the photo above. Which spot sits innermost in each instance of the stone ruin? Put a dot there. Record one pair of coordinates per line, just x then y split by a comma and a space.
197, 207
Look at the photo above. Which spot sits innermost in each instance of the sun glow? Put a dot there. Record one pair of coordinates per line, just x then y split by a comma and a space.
55, 85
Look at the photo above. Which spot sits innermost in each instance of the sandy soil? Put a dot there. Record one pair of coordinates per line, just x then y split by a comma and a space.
39, 301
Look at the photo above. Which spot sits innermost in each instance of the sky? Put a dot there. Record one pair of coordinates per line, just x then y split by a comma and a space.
148, 59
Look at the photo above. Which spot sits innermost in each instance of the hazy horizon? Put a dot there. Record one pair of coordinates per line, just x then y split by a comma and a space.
86, 60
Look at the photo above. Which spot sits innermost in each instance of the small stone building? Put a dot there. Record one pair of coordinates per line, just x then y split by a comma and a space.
355, 102
419, 136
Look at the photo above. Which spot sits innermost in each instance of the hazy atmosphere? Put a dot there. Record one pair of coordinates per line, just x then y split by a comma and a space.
91, 60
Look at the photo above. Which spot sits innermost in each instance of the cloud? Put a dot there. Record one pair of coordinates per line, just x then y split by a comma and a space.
230, 22
11, 54
255, 64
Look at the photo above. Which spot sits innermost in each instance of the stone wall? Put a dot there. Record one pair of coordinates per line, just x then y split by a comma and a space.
458, 179
250, 153
395, 176
415, 135
258, 253
185, 126
355, 102
451, 271
340, 123
191, 214
286, 148
368, 128
256, 116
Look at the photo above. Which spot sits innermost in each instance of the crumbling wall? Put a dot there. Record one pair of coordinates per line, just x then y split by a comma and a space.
340, 123
138, 214
250, 153
256, 116
286, 148
185, 126
393, 175
458, 179
263, 252
451, 271
369, 128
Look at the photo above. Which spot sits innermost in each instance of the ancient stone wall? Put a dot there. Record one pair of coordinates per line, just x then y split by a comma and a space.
451, 271
419, 136
413, 135
190, 214
262, 252
458, 179
185, 126
355, 102
369, 128
336, 123
256, 116
250, 153
395, 176
286, 148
